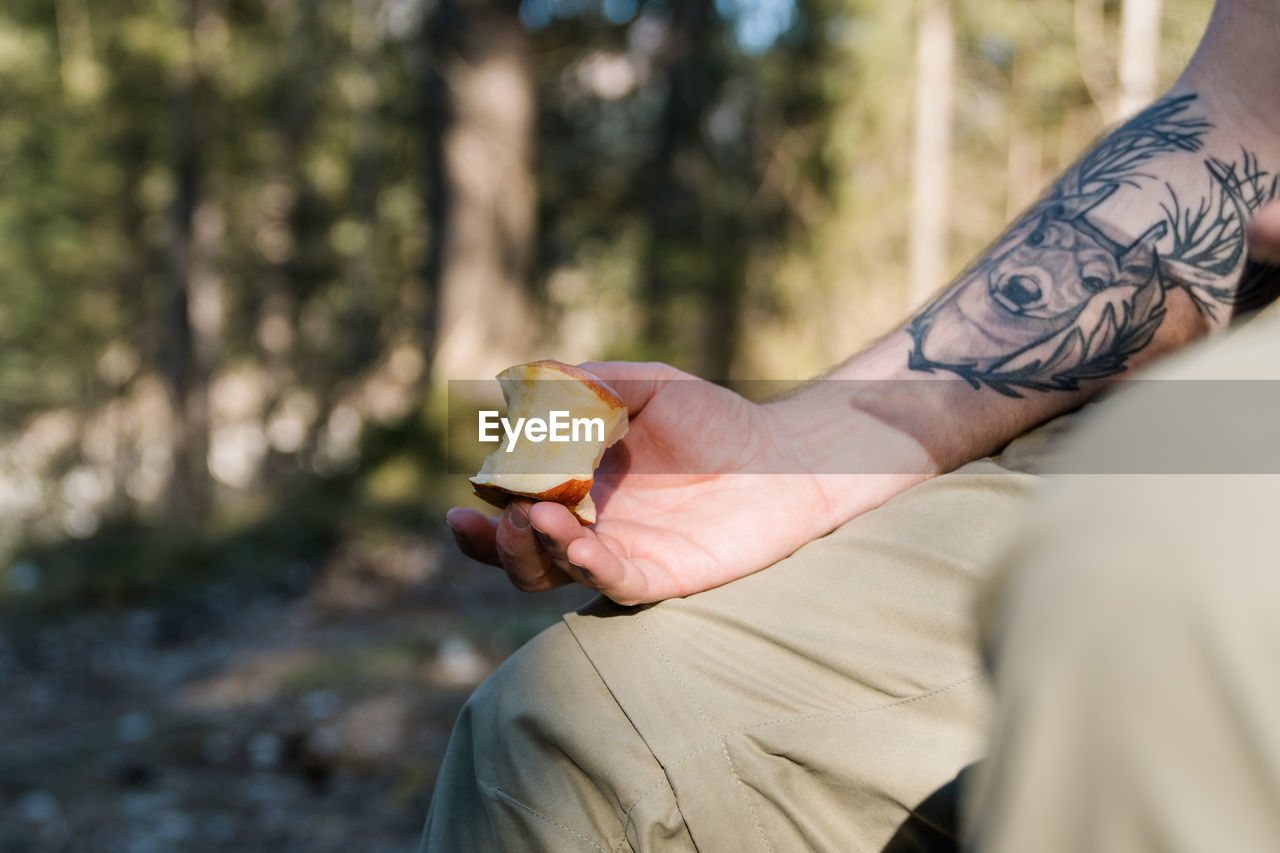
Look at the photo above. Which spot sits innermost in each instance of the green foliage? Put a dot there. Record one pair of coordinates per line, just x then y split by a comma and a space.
738, 211
271, 546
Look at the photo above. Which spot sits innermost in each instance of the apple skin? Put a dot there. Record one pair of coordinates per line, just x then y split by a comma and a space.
606, 394
570, 493
574, 493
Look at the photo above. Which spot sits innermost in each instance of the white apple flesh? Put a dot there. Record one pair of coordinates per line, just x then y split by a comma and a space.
544, 469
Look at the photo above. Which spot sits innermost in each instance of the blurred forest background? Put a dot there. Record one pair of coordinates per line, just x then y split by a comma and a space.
244, 244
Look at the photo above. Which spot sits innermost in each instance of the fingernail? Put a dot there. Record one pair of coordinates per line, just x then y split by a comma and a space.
457, 534
520, 519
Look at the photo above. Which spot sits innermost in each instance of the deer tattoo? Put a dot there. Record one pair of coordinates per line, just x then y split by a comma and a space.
1061, 299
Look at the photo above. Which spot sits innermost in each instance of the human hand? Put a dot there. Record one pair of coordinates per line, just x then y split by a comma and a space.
1264, 234
706, 487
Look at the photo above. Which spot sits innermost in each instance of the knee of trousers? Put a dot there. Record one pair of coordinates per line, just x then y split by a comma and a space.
550, 749
526, 713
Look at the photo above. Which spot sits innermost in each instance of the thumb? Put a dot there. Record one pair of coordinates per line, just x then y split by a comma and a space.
635, 382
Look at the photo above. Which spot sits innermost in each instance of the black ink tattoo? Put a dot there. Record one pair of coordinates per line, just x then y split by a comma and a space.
1061, 299
1208, 243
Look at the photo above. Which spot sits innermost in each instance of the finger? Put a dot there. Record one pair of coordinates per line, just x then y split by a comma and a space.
600, 562
635, 382
626, 580
523, 558
474, 534
1264, 234
599, 567
556, 529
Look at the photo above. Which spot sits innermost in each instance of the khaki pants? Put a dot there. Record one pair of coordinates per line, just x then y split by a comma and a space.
810, 706
823, 703
1134, 625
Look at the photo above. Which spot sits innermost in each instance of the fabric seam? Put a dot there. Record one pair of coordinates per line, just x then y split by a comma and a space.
498, 793
684, 688
742, 792
724, 744
627, 820
835, 715
807, 717
721, 736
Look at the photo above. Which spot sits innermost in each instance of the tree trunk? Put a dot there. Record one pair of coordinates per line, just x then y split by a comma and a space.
722, 306
680, 216
191, 327
931, 162
1139, 55
1090, 37
482, 202
81, 77
363, 195
1025, 155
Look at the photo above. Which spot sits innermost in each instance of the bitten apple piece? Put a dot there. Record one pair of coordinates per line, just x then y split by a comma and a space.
538, 464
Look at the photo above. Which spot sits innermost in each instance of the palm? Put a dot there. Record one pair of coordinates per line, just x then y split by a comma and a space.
697, 493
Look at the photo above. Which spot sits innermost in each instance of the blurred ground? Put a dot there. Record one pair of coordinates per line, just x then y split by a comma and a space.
311, 715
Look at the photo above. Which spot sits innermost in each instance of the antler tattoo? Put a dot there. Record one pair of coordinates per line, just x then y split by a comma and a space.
1060, 299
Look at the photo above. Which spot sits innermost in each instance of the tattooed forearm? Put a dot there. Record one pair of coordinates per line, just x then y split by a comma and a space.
1061, 298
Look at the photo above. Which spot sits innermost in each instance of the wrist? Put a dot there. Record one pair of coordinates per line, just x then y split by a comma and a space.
872, 429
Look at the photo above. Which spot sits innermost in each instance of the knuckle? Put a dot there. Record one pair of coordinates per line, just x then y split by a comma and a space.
526, 573
514, 544
511, 563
